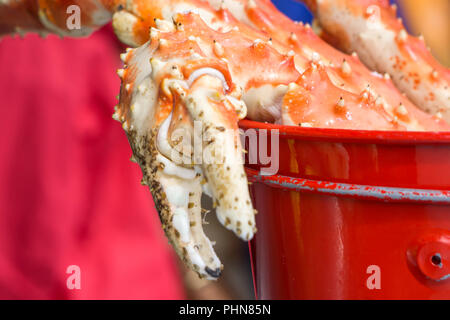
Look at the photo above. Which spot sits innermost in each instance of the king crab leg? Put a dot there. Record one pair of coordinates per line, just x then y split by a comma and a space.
344, 71
372, 29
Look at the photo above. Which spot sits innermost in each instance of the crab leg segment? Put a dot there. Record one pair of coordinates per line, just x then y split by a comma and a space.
372, 29
54, 16
346, 72
131, 18
310, 103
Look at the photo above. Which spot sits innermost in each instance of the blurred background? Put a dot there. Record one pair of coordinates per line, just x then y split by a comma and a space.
432, 20
69, 195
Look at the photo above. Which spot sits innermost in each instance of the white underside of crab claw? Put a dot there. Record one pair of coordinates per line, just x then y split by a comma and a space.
184, 198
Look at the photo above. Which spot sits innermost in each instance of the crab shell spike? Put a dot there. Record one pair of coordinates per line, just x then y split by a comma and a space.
154, 34
401, 109
251, 4
218, 49
345, 68
164, 25
435, 74
115, 116
121, 73
405, 58
402, 35
293, 37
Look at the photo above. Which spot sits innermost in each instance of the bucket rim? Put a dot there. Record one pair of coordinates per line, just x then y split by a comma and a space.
350, 135
351, 190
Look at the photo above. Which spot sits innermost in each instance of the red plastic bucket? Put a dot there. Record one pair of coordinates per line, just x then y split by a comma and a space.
352, 215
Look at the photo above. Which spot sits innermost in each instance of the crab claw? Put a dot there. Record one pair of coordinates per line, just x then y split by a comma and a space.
176, 187
181, 122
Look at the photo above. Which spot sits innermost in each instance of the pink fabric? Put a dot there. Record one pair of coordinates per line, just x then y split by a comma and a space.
68, 193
